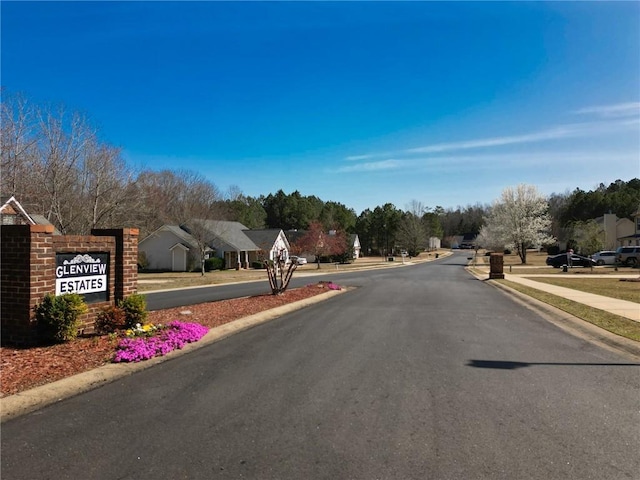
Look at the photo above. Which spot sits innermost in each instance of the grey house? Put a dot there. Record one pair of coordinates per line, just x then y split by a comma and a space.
170, 248
176, 248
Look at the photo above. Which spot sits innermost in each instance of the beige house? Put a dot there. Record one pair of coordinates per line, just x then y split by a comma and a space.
633, 238
617, 231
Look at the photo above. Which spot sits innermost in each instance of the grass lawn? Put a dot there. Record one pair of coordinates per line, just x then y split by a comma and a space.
608, 321
536, 265
608, 287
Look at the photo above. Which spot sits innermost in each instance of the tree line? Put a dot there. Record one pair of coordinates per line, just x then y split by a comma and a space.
55, 163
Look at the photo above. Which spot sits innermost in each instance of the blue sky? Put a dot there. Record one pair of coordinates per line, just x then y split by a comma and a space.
361, 103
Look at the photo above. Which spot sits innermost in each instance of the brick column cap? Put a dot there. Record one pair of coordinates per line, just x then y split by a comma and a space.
41, 228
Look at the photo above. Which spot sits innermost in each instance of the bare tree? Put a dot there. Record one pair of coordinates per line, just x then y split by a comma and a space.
200, 208
279, 272
411, 231
61, 146
17, 152
105, 185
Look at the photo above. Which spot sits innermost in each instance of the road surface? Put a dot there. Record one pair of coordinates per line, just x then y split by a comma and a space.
424, 372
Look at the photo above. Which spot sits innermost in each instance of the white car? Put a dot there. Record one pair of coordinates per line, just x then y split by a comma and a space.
605, 257
298, 260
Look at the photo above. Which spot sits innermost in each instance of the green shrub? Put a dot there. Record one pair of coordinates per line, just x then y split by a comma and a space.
213, 263
143, 261
258, 265
110, 319
58, 317
135, 309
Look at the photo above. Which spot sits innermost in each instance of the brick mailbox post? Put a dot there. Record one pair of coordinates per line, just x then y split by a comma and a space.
34, 262
496, 265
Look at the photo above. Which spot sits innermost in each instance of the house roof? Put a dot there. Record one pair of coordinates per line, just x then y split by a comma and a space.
264, 239
182, 235
226, 233
11, 207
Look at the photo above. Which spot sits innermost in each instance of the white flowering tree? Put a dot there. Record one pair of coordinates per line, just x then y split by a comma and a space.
518, 220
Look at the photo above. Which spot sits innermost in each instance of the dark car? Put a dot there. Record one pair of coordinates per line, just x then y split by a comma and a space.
557, 261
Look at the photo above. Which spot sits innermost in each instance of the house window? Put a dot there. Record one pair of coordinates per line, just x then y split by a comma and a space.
8, 219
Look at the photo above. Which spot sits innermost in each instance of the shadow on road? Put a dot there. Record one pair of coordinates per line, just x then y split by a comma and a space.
506, 365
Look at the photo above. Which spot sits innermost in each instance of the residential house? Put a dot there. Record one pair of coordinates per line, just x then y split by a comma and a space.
614, 229
271, 242
229, 241
170, 248
12, 213
176, 248
633, 238
468, 240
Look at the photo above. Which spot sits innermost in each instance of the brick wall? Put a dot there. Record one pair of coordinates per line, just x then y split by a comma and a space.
126, 273
27, 273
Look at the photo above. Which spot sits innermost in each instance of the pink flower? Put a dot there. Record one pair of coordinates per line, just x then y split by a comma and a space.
174, 335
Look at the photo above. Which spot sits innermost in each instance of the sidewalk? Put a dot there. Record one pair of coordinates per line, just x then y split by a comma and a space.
623, 308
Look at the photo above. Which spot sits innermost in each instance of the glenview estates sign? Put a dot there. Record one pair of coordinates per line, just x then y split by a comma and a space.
84, 274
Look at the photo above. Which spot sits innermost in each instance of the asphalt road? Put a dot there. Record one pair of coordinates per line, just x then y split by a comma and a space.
422, 373
213, 293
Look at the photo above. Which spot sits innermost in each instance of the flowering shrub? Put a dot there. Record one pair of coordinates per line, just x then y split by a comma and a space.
146, 330
329, 285
174, 335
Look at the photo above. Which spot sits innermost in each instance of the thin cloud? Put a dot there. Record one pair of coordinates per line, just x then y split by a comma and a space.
612, 111
493, 162
390, 164
354, 158
556, 133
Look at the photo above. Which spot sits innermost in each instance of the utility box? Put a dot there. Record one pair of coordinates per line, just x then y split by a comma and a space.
496, 266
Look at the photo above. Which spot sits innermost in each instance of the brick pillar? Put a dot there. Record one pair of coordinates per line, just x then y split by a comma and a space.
496, 265
27, 273
126, 261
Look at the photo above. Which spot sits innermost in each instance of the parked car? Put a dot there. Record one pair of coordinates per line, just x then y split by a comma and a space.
605, 257
298, 260
628, 255
557, 261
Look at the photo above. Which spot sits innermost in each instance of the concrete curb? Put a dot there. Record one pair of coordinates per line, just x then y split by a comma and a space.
38, 397
570, 323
